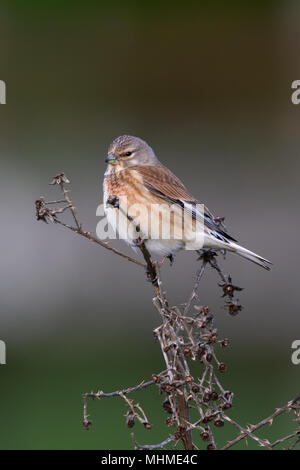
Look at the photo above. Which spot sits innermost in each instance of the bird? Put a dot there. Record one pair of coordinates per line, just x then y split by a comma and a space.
135, 178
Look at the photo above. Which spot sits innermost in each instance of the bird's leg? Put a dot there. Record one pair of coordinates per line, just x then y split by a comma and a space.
162, 261
171, 258
164, 258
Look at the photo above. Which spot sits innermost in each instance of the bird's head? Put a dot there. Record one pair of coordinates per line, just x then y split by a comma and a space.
126, 151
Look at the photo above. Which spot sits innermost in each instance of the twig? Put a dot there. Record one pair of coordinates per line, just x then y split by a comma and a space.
183, 337
268, 420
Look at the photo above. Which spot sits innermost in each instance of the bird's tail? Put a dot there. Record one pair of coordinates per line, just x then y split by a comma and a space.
247, 254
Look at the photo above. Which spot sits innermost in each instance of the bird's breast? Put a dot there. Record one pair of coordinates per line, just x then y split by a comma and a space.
126, 184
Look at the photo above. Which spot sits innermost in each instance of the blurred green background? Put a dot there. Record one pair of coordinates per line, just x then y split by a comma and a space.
208, 85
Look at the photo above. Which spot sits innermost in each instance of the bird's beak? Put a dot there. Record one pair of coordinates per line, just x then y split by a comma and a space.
112, 159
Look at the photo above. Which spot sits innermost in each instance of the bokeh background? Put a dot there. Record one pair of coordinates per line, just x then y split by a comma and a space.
208, 85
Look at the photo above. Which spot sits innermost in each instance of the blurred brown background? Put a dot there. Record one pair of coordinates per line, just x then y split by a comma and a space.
208, 86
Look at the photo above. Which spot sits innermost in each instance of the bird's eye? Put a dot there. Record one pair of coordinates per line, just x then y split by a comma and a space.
127, 154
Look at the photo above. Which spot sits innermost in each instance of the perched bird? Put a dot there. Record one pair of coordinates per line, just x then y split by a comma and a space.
136, 179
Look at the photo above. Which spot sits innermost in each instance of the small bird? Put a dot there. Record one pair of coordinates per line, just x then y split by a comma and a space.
136, 178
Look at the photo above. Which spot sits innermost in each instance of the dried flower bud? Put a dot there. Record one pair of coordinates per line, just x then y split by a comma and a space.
224, 343
214, 396
148, 425
222, 367
195, 389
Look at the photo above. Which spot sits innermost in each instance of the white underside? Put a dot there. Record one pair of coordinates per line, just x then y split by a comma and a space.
204, 238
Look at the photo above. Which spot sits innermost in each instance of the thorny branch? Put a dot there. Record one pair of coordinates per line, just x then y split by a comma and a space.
187, 334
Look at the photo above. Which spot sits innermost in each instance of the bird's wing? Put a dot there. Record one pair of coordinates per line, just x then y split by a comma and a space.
163, 183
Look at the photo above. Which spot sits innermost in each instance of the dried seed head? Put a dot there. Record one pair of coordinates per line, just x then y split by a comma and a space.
205, 436
170, 422
207, 419
205, 310
169, 388
211, 447
156, 378
214, 396
206, 397
208, 357
226, 406
181, 429
187, 352
130, 420
188, 379
167, 406
59, 179
86, 424
212, 338
222, 367
224, 343
148, 425
233, 307
200, 352
219, 423
195, 389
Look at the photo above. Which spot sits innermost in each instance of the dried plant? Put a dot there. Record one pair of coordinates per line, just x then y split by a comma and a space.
186, 334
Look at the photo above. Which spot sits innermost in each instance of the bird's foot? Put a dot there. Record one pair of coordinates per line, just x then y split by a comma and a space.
139, 242
113, 201
206, 255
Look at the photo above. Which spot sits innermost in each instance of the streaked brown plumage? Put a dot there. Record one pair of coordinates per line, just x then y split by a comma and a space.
135, 174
